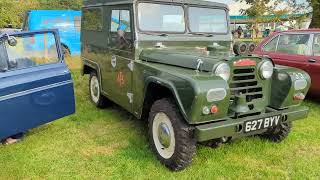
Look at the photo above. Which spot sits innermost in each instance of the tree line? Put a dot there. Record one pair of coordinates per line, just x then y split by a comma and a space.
12, 12
270, 7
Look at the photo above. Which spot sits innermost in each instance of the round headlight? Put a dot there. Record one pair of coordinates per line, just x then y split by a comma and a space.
300, 84
266, 70
223, 70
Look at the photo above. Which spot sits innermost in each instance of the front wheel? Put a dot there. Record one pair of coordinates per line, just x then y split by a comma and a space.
95, 91
170, 137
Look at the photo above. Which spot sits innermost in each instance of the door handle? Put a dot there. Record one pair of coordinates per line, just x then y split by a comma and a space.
312, 61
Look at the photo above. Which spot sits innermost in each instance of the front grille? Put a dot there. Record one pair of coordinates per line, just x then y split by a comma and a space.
244, 82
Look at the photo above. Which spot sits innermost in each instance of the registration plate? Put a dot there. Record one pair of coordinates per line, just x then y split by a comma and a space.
259, 124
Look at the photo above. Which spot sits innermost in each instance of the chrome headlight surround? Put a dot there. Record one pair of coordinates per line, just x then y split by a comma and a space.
223, 70
266, 69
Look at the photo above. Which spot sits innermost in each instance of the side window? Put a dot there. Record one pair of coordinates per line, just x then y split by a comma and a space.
26, 23
272, 45
120, 20
31, 51
77, 23
120, 29
316, 45
294, 44
92, 19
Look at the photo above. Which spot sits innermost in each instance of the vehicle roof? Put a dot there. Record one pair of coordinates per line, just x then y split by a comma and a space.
41, 11
191, 2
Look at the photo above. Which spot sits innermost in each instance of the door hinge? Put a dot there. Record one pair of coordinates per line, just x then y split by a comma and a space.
130, 65
130, 96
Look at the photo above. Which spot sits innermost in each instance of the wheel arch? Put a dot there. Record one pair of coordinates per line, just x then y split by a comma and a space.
164, 89
88, 66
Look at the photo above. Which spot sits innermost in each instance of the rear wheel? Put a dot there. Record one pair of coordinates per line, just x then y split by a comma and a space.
170, 137
95, 91
279, 133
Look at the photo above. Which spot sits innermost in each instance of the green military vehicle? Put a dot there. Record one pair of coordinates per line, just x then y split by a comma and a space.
171, 62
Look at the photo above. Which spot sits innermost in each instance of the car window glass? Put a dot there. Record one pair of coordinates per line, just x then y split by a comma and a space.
92, 19
316, 45
294, 44
77, 23
120, 29
3, 57
208, 20
272, 45
161, 18
120, 19
30, 51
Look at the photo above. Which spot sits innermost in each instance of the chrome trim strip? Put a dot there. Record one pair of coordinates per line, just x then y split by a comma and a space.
34, 90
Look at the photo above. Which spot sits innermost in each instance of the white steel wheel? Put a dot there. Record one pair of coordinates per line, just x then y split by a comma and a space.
171, 139
163, 135
94, 89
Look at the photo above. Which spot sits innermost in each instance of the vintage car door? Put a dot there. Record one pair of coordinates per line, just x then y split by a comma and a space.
35, 83
121, 54
292, 50
313, 65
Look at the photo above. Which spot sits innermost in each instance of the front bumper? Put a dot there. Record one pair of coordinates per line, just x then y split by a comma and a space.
234, 127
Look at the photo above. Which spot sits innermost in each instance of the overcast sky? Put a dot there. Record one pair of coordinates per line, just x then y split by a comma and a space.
231, 1
235, 7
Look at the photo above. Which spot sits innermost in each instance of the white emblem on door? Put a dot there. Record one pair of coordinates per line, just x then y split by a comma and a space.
114, 61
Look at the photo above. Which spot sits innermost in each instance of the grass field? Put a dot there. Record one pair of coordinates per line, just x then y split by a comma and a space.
111, 144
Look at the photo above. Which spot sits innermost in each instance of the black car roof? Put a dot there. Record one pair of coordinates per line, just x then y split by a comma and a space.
191, 2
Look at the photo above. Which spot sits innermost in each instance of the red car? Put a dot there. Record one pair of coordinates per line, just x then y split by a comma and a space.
295, 48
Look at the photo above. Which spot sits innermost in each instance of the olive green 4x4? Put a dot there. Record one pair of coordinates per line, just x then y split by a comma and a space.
171, 62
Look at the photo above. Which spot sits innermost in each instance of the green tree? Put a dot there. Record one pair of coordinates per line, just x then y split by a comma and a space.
60, 4
315, 23
313, 5
260, 7
12, 12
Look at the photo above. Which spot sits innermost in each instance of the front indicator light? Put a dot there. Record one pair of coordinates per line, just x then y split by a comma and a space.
214, 109
206, 110
299, 97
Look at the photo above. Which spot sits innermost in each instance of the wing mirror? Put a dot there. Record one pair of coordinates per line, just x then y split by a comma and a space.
12, 41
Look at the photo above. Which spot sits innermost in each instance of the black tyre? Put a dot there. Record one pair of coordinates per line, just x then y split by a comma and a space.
214, 143
170, 137
95, 91
279, 133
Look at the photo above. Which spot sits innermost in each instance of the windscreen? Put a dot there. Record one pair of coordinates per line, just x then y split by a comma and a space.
161, 18
206, 20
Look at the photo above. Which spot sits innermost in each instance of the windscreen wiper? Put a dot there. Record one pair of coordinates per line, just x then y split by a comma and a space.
155, 34
203, 34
